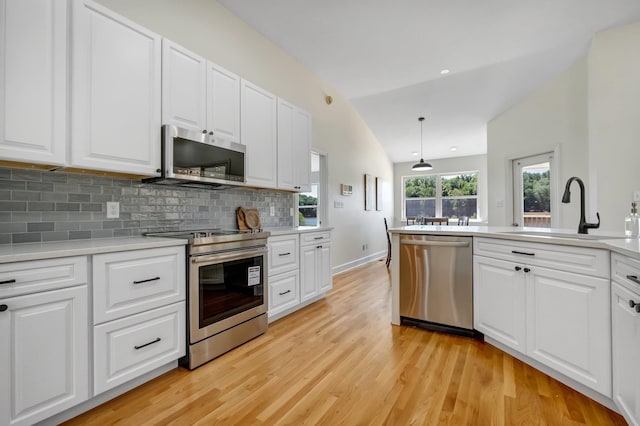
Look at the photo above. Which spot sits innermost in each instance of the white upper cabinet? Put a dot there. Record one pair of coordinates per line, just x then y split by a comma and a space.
258, 121
115, 92
33, 81
286, 179
294, 147
184, 87
198, 94
223, 103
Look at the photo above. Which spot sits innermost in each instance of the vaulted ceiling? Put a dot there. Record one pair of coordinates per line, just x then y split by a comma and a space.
387, 57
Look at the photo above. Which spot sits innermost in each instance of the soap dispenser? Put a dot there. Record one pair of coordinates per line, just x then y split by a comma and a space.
631, 222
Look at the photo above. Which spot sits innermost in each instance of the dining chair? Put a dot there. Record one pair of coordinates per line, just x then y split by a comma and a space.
463, 221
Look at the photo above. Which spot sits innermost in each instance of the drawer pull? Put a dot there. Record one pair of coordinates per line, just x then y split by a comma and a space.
3, 307
8, 281
318, 238
633, 278
634, 305
146, 281
518, 268
527, 270
284, 254
147, 344
522, 252
284, 292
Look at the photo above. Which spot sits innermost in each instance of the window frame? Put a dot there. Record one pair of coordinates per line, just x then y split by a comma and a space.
439, 197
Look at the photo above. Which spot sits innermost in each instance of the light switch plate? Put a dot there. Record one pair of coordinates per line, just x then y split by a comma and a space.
272, 211
636, 195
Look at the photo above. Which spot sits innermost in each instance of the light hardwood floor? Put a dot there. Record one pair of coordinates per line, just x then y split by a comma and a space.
341, 362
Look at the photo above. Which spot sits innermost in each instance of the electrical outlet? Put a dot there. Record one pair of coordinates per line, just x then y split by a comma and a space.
272, 211
113, 209
636, 195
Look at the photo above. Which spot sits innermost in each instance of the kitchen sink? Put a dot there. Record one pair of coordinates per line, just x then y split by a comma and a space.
575, 236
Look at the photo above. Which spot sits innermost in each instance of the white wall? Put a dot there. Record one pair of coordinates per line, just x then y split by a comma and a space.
207, 28
445, 165
614, 122
552, 118
592, 112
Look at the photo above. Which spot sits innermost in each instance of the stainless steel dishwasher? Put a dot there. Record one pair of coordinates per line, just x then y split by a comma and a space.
436, 285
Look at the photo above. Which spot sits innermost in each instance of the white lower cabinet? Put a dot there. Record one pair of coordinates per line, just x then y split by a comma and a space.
625, 315
129, 347
315, 264
44, 353
299, 271
139, 313
283, 292
560, 319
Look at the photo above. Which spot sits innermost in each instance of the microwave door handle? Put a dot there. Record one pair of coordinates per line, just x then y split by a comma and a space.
224, 257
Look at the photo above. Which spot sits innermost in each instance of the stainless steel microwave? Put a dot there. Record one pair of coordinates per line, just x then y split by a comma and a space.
199, 160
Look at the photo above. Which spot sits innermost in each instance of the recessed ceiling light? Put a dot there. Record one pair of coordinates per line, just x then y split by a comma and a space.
453, 148
445, 71
414, 153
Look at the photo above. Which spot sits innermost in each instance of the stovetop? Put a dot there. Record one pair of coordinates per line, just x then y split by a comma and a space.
212, 236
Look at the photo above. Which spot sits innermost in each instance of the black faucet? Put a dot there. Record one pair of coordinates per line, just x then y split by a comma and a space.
583, 226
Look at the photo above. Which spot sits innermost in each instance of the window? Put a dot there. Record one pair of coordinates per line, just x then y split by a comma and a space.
450, 195
310, 204
532, 191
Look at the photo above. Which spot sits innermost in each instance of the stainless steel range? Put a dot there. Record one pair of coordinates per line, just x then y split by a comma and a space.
226, 294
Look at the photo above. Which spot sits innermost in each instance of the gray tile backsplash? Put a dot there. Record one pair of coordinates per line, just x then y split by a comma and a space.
51, 206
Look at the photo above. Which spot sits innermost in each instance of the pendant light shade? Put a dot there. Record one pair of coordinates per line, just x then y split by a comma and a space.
421, 166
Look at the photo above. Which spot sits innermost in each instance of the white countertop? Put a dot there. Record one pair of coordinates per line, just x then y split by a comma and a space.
609, 241
48, 250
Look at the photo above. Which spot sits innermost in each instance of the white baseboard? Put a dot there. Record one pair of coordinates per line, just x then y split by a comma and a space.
358, 262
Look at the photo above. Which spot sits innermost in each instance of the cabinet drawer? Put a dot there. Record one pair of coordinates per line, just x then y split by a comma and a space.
129, 347
130, 282
40, 275
283, 291
581, 260
315, 237
623, 267
283, 254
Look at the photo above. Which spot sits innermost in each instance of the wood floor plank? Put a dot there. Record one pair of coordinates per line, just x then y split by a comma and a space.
340, 361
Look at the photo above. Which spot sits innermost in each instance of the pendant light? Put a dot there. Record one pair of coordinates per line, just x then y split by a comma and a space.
421, 166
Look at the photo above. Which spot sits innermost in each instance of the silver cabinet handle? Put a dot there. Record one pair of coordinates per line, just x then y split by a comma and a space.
284, 292
8, 281
146, 281
284, 254
318, 238
147, 344
434, 243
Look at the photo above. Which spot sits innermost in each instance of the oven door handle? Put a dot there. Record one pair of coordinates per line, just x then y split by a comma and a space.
224, 257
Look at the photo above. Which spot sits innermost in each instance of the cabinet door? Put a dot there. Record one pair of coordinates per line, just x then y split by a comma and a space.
302, 150
184, 90
115, 90
223, 103
308, 275
259, 135
499, 301
33, 81
324, 268
286, 155
283, 292
569, 326
44, 354
626, 352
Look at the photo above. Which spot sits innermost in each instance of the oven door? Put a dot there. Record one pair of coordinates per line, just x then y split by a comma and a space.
226, 289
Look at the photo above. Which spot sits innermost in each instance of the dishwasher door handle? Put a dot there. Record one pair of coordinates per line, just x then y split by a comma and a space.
435, 243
